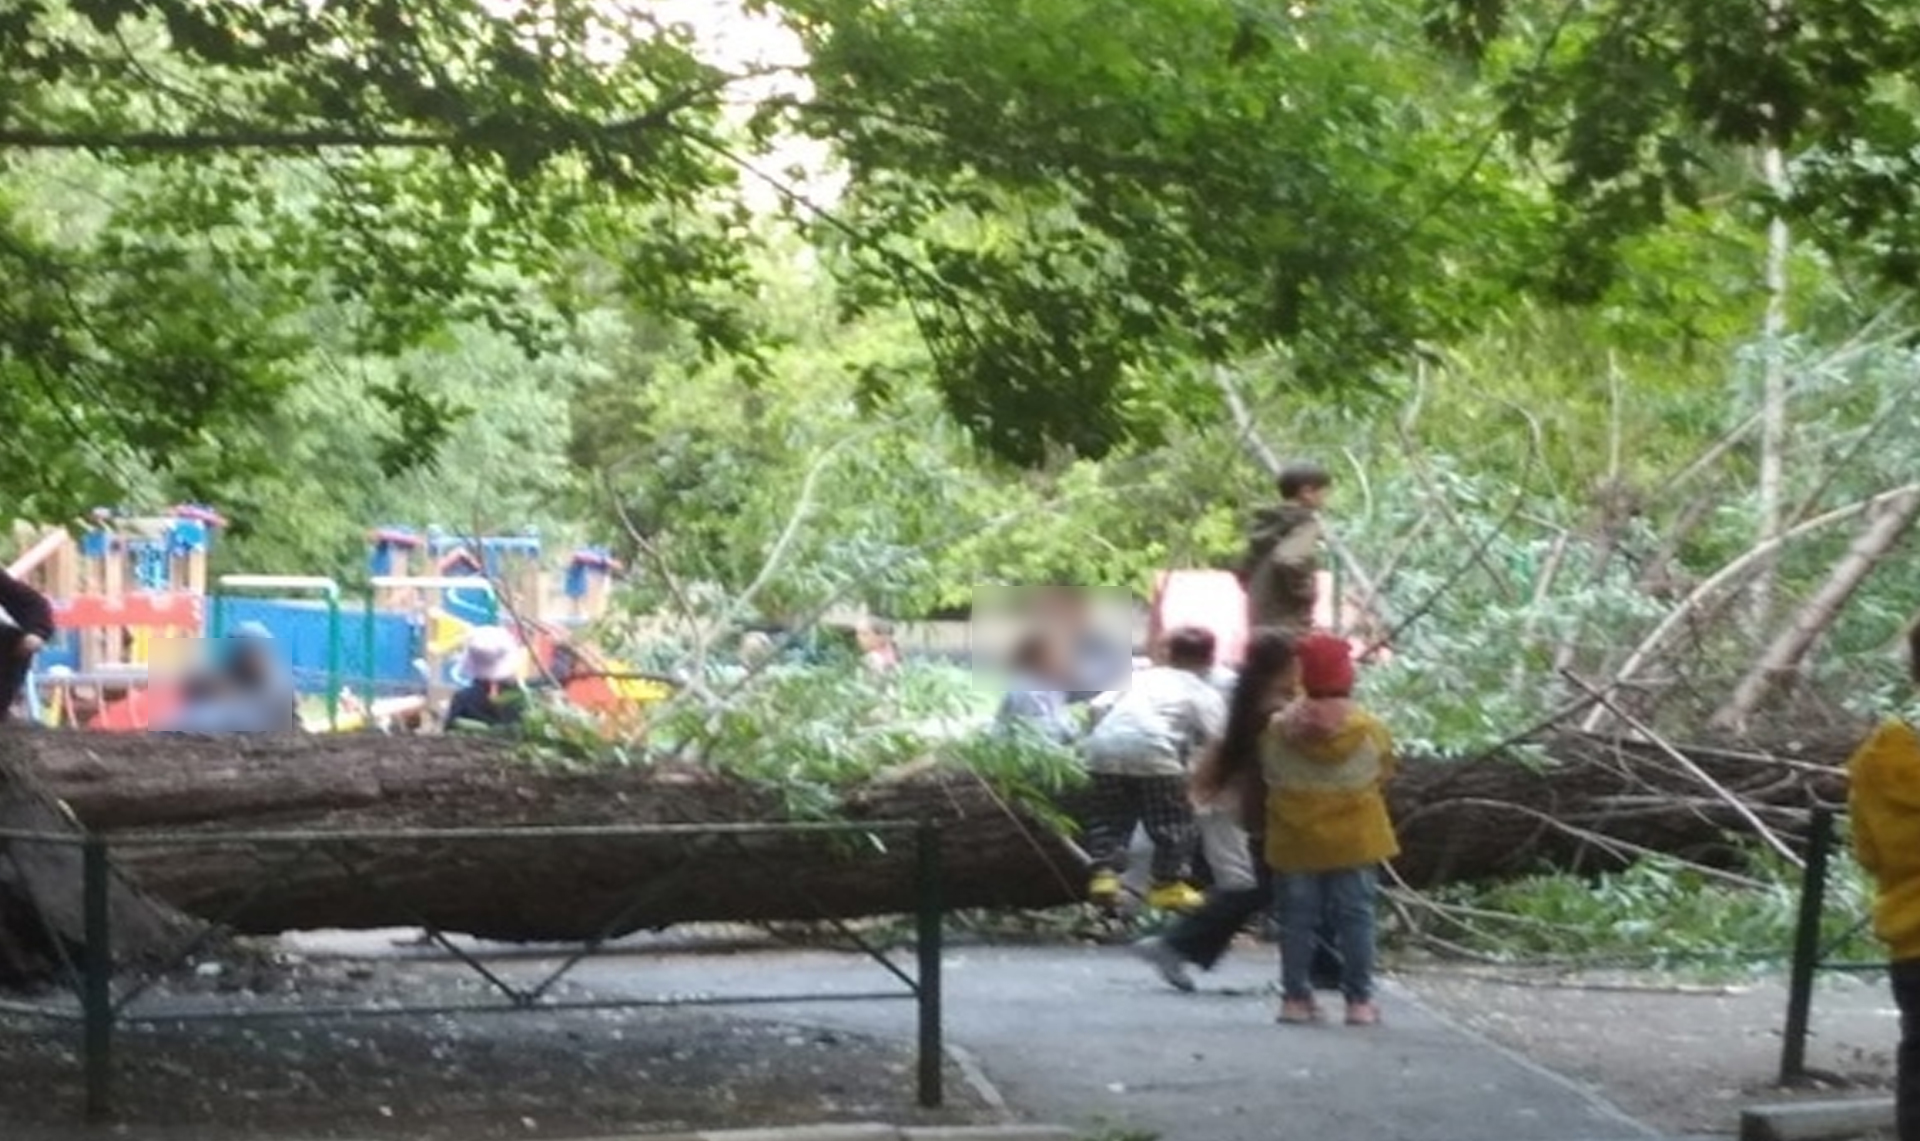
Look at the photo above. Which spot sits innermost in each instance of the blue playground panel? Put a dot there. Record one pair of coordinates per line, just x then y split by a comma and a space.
474, 607
301, 629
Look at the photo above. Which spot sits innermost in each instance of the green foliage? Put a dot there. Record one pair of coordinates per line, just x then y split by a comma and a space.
1097, 195
1660, 914
809, 734
1639, 110
415, 169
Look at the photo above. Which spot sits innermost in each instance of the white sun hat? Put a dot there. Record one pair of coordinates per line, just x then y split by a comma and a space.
492, 653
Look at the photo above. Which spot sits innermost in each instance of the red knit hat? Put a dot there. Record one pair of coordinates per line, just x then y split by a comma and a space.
1326, 665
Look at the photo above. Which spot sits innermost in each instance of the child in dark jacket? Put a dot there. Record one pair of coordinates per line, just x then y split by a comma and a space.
26, 626
493, 697
1283, 553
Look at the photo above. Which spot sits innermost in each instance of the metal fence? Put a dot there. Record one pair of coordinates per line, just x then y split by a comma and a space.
1812, 953
109, 1000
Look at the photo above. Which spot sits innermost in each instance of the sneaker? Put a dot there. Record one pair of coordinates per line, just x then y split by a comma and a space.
1105, 888
1175, 897
1298, 1011
1362, 1014
1161, 956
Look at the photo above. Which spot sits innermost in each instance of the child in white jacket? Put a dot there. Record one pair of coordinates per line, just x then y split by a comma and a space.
1138, 757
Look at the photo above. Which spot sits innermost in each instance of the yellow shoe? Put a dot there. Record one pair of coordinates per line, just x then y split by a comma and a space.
1175, 897
1105, 888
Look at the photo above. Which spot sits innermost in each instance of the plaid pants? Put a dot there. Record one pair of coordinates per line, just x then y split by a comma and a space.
1117, 803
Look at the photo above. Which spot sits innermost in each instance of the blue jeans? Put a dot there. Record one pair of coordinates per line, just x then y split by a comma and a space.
1306, 896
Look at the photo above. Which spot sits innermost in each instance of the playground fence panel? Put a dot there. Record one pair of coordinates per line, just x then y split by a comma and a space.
106, 1000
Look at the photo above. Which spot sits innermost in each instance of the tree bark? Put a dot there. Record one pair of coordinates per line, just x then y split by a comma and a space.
1588, 804
42, 905
1782, 657
1773, 396
513, 888
1709, 589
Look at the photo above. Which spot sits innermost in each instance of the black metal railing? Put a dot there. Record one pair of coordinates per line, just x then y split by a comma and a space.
103, 1007
1812, 952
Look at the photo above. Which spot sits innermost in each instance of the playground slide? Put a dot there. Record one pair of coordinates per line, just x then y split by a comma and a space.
30, 559
469, 607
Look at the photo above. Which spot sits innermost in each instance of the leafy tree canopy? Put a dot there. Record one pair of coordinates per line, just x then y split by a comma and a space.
1640, 108
1076, 201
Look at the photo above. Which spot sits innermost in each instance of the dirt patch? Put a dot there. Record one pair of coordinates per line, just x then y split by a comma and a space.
453, 1076
1682, 1055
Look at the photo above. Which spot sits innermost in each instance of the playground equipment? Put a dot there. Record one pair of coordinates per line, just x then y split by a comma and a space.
131, 597
1214, 600
126, 589
128, 598
445, 607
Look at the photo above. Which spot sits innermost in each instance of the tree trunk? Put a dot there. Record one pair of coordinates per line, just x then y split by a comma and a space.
1590, 804
1595, 803
1773, 396
513, 888
1707, 591
42, 906
1783, 655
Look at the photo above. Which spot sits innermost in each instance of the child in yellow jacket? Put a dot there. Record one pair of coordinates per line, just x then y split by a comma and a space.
1326, 762
1884, 800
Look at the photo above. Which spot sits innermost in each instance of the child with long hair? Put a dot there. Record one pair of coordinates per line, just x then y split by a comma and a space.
1228, 796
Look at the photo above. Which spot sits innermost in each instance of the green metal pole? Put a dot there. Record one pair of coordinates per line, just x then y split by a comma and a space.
96, 998
931, 921
333, 661
219, 616
1806, 949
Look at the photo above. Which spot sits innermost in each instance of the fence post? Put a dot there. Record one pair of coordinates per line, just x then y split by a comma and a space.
96, 997
1806, 948
931, 920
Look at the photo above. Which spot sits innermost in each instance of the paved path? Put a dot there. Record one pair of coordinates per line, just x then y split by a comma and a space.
1086, 1036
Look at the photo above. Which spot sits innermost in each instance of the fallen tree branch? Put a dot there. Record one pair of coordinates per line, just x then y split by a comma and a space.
1729, 575
1745, 811
1783, 655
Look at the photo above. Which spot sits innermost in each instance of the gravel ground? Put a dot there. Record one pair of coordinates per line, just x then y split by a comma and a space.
448, 1077
1683, 1057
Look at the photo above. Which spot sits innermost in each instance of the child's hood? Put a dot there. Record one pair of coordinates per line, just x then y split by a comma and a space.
1893, 753
1324, 729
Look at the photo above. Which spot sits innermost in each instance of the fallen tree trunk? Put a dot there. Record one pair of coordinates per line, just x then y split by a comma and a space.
523, 887
1583, 803
1586, 803
1784, 654
42, 893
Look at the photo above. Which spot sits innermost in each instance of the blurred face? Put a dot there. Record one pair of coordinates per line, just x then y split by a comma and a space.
1314, 497
1048, 664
